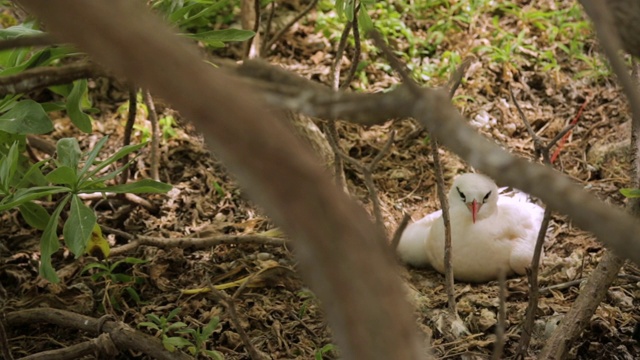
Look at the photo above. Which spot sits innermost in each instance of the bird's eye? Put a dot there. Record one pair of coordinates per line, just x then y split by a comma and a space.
486, 197
464, 198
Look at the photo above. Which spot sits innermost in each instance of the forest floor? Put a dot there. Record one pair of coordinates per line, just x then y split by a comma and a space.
282, 317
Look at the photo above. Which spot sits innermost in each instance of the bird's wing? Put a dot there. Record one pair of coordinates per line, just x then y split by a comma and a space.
412, 246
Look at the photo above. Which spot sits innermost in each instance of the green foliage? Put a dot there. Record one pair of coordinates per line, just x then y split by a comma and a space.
116, 282
165, 327
73, 173
200, 19
328, 348
630, 193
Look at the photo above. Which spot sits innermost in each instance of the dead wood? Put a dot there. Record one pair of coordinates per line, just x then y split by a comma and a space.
123, 336
43, 77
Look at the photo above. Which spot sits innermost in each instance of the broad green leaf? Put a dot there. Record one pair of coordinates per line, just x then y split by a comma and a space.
18, 30
210, 327
68, 152
364, 20
33, 176
8, 167
49, 244
35, 215
24, 195
92, 156
171, 343
26, 117
630, 193
217, 38
74, 106
141, 186
63, 175
77, 229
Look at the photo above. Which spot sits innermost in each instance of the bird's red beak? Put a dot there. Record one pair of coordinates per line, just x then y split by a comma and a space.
474, 208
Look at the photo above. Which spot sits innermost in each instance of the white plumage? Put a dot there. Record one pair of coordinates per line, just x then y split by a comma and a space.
488, 232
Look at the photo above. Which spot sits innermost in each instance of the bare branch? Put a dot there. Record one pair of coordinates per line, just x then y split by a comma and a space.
25, 41
230, 304
43, 77
154, 163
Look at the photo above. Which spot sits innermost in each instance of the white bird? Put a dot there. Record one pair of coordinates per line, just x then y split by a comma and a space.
488, 232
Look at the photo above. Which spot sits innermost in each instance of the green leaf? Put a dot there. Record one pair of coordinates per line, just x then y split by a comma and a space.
171, 343
18, 30
174, 313
26, 117
176, 325
95, 265
68, 152
27, 194
35, 215
210, 327
149, 325
364, 20
77, 229
630, 193
8, 167
63, 175
141, 186
74, 106
49, 244
124, 151
217, 38
92, 155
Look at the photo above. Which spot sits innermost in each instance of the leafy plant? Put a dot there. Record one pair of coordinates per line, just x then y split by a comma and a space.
110, 274
164, 327
324, 350
73, 173
197, 16
630, 193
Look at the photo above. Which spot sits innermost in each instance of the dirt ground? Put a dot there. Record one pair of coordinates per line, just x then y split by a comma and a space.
280, 314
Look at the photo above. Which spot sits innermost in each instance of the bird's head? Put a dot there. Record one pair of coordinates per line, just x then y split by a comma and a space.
477, 193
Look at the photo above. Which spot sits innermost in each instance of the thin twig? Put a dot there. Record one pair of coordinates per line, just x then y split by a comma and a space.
498, 347
230, 305
444, 204
281, 32
256, 28
128, 129
395, 240
154, 162
367, 172
334, 72
355, 59
395, 63
267, 30
457, 76
331, 131
532, 272
4, 341
187, 242
449, 280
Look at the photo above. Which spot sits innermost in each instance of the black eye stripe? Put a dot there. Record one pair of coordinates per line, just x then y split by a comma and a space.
464, 198
486, 197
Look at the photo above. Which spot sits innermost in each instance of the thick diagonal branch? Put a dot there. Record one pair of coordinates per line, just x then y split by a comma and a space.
341, 254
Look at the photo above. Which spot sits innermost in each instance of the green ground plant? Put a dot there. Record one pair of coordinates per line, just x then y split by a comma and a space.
116, 282
167, 329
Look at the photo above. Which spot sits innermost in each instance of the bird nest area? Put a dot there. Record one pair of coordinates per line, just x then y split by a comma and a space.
204, 251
